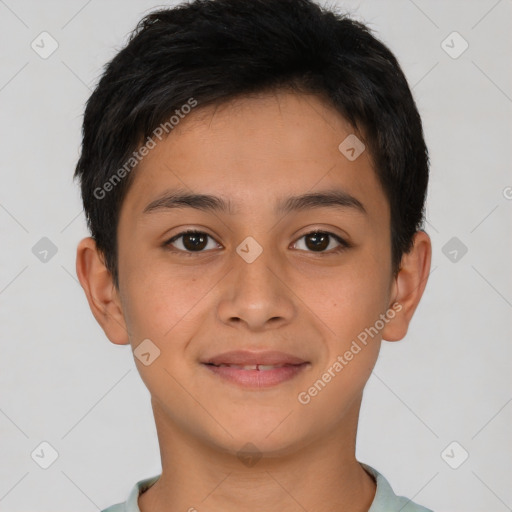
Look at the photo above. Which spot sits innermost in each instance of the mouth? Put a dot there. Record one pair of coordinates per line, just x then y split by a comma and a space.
259, 367
256, 370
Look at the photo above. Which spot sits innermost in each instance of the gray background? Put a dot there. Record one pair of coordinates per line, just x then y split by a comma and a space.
63, 382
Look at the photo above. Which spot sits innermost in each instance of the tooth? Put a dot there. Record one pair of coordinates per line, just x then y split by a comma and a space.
266, 367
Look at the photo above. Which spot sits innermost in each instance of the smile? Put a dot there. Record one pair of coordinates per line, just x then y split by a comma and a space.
256, 376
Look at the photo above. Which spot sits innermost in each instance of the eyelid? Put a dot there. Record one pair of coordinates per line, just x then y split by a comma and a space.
343, 243
167, 244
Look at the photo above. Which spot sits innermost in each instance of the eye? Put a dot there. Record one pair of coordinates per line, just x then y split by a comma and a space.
193, 241
318, 241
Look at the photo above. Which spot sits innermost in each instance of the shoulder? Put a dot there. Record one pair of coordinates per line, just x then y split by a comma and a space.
385, 498
131, 504
118, 507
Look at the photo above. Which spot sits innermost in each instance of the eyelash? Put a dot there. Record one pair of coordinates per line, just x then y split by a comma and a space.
344, 245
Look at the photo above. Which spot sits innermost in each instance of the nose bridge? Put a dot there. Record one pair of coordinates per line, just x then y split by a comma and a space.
253, 266
258, 294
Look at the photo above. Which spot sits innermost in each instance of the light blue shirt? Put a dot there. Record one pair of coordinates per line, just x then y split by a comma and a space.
385, 499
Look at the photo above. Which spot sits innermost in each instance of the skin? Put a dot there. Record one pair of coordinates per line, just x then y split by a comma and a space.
304, 301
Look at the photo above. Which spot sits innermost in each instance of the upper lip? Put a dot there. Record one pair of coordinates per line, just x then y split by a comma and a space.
244, 357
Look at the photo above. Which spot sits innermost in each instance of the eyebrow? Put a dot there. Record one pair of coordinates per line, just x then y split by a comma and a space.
332, 198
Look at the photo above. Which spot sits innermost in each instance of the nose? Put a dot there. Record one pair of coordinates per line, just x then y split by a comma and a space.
256, 294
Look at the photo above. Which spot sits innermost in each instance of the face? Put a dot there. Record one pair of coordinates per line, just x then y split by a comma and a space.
263, 274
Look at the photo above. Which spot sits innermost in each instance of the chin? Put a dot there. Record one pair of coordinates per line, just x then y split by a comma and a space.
257, 442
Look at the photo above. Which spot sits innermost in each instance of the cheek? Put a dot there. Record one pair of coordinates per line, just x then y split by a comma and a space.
162, 308
160, 299
352, 299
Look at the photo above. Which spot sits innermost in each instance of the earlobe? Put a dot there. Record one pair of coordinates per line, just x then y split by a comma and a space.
100, 291
409, 286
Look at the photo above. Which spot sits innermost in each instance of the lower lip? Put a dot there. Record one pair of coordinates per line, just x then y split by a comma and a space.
257, 378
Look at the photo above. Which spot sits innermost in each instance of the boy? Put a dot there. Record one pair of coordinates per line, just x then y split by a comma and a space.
254, 176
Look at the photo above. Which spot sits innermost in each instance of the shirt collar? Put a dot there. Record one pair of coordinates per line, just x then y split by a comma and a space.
385, 498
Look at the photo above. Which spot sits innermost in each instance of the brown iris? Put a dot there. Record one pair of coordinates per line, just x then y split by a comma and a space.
195, 241
319, 241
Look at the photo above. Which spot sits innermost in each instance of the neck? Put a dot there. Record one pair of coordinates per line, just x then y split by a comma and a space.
322, 476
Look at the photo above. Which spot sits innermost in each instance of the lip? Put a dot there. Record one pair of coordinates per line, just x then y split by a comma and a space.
286, 367
246, 358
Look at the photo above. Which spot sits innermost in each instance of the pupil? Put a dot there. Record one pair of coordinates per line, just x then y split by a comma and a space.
194, 241
320, 241
197, 241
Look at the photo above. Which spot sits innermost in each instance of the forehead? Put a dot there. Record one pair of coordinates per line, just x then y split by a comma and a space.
254, 152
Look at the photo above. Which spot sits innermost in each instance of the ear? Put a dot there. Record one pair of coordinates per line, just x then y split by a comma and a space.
101, 293
408, 287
